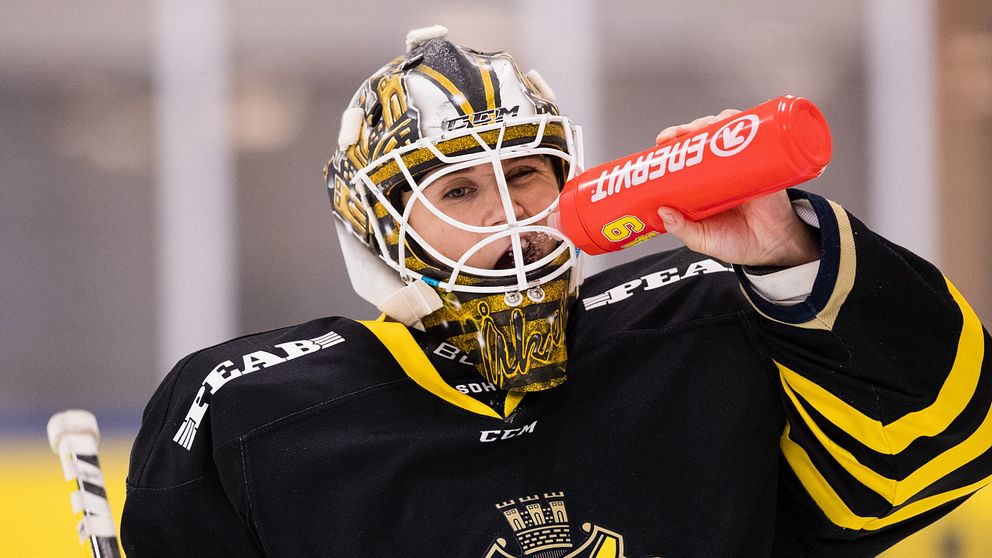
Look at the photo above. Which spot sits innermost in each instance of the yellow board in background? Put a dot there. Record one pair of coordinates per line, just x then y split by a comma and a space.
963, 533
36, 518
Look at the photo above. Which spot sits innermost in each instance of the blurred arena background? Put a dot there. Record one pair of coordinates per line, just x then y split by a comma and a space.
161, 190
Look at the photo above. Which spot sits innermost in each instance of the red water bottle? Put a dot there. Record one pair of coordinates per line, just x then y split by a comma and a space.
772, 146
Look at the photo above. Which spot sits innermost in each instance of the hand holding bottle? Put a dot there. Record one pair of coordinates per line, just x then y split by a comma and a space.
765, 231
717, 183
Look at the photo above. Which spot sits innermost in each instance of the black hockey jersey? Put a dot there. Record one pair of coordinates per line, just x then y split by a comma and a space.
695, 421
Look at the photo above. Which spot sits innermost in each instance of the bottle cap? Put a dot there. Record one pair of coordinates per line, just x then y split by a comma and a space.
810, 134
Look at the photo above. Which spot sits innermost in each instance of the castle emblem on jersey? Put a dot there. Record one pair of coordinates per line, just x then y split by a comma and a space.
540, 526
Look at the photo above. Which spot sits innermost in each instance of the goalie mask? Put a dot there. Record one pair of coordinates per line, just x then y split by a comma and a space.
448, 165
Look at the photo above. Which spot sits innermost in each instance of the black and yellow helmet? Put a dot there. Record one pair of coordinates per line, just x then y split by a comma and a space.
444, 106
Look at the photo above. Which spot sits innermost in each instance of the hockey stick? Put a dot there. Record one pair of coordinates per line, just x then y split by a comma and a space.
73, 436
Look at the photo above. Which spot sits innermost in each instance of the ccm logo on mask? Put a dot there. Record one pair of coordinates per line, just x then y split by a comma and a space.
481, 118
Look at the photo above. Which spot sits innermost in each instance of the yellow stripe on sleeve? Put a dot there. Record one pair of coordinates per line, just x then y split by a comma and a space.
839, 513
892, 438
898, 492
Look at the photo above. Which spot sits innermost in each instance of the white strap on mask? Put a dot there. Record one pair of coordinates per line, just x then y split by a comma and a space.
411, 303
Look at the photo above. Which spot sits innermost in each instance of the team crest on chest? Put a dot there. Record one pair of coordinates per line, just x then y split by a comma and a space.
540, 526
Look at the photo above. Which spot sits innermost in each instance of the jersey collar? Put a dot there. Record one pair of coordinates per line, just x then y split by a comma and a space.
411, 358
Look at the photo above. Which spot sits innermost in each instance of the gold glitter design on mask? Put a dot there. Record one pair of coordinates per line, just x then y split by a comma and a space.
521, 348
540, 386
380, 210
414, 263
464, 143
509, 349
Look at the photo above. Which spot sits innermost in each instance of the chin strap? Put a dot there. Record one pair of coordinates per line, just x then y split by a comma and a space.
411, 303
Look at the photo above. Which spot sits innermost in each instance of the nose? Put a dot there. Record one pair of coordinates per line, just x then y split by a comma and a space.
520, 211
496, 210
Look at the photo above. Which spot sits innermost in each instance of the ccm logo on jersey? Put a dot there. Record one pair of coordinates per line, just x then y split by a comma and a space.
653, 281
493, 435
481, 118
251, 362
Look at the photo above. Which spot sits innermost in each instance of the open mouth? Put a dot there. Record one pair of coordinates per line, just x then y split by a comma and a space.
532, 248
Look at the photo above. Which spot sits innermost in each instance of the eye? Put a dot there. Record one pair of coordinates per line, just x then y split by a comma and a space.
457, 192
520, 172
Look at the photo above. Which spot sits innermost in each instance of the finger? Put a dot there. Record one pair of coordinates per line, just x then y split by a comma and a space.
727, 113
665, 135
689, 232
702, 121
673, 132
696, 124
